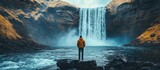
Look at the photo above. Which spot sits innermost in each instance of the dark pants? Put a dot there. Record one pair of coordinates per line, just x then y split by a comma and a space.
81, 50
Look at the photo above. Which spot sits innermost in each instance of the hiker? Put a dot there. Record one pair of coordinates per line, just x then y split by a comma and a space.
81, 45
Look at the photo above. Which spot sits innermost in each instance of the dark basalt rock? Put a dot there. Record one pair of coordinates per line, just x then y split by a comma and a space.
87, 65
67, 64
119, 64
146, 68
152, 35
115, 64
100, 68
19, 46
147, 64
156, 67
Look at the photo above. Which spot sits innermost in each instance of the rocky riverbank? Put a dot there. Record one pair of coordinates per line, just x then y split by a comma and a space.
115, 64
19, 46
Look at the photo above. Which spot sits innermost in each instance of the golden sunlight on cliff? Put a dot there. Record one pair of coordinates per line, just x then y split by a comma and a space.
6, 29
151, 34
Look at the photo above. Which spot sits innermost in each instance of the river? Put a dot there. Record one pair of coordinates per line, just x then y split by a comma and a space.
102, 54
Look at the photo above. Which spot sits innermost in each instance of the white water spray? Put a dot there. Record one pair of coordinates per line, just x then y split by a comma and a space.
92, 23
92, 27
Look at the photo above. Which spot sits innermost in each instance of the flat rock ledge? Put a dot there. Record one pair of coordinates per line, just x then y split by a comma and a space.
115, 64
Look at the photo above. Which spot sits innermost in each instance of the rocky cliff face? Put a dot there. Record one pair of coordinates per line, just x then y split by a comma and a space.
132, 18
37, 21
7, 30
112, 6
54, 3
151, 37
11, 41
13, 10
52, 23
44, 22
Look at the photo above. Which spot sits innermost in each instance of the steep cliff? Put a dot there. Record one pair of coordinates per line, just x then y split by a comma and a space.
112, 6
40, 22
11, 41
132, 19
151, 34
54, 3
6, 29
149, 38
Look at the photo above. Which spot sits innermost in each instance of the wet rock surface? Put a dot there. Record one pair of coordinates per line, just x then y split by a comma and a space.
47, 59
19, 46
67, 64
115, 64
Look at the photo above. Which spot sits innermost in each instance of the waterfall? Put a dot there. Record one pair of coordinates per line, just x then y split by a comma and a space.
92, 23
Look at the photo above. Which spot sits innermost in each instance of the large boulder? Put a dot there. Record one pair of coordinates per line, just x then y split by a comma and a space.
120, 64
115, 64
68, 64
87, 65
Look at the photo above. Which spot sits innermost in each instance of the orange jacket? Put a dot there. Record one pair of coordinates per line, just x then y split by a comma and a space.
80, 43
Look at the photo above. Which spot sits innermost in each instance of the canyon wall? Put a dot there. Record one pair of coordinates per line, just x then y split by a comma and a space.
43, 22
37, 21
132, 18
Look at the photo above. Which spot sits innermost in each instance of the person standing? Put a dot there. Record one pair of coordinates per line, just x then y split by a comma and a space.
81, 45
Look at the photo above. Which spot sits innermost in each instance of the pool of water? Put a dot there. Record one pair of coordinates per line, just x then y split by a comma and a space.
102, 54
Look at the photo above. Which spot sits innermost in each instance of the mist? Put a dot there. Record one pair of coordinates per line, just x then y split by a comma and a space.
69, 37
70, 40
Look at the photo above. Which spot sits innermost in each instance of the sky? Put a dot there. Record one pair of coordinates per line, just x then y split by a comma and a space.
89, 3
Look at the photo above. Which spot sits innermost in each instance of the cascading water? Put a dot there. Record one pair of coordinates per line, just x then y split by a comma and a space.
92, 27
92, 23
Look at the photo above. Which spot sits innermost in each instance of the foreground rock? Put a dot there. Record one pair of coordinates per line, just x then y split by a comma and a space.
115, 64
120, 64
67, 64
